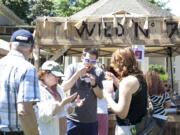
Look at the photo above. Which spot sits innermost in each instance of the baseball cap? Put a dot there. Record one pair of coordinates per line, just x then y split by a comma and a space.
22, 36
53, 67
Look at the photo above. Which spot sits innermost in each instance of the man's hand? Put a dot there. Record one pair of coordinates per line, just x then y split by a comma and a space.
92, 78
21, 110
79, 102
68, 84
27, 118
82, 71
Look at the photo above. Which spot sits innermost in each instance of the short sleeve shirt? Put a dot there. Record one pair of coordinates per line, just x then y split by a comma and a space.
18, 83
88, 112
159, 102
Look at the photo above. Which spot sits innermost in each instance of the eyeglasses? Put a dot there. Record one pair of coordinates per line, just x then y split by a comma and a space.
88, 61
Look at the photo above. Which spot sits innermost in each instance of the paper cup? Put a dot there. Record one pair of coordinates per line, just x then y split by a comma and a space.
108, 85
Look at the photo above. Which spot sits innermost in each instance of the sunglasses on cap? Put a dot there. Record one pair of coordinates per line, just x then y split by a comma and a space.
88, 61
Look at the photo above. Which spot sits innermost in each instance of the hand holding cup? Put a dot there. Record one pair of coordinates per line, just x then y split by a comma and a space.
108, 86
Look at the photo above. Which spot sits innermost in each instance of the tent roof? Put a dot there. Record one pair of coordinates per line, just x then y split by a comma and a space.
53, 34
108, 7
149, 51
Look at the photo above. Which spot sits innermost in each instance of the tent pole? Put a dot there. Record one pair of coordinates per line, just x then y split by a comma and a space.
171, 68
36, 60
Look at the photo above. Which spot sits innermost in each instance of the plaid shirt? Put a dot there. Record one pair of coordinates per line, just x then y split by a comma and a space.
18, 83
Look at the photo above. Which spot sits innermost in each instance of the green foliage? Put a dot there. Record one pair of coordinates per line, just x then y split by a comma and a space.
61, 67
40, 8
160, 70
164, 77
159, 3
19, 7
28, 10
70, 7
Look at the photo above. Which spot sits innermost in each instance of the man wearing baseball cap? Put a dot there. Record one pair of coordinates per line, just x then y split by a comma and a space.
18, 87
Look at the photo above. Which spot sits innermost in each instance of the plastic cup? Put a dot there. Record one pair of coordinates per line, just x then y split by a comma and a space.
108, 86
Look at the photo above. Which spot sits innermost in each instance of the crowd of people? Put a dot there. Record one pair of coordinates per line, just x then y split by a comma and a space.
34, 103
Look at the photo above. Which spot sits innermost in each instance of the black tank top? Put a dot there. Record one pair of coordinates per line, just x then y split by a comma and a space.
138, 106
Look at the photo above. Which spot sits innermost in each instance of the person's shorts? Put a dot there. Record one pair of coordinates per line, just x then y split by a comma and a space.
76, 128
11, 133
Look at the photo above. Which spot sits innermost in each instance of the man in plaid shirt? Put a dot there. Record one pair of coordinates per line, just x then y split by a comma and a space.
19, 88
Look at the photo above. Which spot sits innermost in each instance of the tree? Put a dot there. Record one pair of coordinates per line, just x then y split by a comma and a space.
40, 8
70, 7
160, 3
28, 10
19, 7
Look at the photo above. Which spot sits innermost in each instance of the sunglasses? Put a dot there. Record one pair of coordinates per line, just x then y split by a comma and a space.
88, 61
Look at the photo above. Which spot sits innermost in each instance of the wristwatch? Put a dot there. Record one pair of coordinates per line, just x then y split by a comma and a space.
95, 85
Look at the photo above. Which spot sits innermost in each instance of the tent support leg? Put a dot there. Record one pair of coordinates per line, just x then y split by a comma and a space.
171, 68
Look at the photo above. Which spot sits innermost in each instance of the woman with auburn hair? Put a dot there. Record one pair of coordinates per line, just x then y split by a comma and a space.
54, 106
159, 98
131, 97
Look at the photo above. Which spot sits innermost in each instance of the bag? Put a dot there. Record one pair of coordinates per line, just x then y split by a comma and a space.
147, 124
145, 127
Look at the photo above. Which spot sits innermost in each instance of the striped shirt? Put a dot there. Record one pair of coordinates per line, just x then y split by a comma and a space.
158, 103
18, 83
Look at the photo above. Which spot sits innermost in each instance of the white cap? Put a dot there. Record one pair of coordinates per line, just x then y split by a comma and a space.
53, 67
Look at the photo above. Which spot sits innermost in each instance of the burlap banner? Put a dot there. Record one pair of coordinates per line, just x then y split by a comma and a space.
108, 31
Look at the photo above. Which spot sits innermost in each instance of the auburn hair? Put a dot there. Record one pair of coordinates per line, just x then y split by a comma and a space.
124, 62
154, 83
41, 73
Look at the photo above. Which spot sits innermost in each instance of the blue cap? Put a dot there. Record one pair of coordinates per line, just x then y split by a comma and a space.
23, 36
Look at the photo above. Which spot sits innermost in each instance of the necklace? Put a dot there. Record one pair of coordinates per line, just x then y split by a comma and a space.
55, 93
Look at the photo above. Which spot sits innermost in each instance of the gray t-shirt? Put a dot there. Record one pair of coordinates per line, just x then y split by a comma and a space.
88, 112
